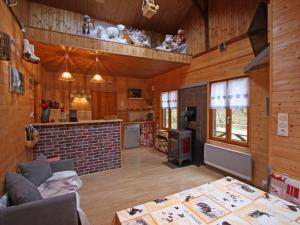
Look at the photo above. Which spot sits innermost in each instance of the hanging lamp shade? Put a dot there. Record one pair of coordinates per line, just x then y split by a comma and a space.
66, 76
97, 78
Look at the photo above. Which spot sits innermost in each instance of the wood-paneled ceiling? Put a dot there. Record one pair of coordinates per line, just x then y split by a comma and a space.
82, 61
129, 12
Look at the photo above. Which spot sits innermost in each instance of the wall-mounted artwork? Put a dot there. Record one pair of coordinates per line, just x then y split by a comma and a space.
5, 46
16, 81
135, 93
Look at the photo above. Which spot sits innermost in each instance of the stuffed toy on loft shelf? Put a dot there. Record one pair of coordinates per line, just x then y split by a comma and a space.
28, 52
115, 32
139, 38
168, 43
179, 38
110, 33
87, 25
180, 42
176, 43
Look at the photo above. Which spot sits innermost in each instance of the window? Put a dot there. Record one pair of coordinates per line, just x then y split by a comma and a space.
169, 109
229, 102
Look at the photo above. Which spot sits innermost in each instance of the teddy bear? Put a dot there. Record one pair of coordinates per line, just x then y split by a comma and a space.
168, 43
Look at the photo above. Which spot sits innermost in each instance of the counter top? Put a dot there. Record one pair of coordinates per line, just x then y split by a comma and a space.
79, 122
136, 122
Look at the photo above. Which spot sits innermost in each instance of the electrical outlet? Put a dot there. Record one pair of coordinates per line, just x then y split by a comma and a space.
283, 124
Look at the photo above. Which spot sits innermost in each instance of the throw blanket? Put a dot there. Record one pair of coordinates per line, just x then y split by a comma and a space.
63, 183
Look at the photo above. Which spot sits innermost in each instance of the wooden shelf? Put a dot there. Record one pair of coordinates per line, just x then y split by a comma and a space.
89, 43
135, 98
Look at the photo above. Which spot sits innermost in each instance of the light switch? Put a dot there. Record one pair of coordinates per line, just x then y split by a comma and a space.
283, 124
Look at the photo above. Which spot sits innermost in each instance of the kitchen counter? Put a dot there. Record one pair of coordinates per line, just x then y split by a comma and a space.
79, 122
138, 122
94, 145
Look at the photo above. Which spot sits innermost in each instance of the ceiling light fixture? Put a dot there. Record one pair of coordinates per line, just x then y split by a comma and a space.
97, 78
66, 76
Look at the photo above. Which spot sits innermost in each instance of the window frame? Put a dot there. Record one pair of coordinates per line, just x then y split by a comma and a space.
169, 113
228, 139
228, 129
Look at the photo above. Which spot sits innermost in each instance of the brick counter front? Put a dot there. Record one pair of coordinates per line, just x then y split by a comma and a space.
94, 147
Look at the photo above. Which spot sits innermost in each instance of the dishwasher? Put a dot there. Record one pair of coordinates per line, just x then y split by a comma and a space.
132, 136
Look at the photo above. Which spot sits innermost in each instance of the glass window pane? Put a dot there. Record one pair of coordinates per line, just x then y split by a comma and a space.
174, 118
239, 125
219, 123
166, 118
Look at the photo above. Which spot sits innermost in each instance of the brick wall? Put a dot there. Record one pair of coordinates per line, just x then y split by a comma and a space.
94, 147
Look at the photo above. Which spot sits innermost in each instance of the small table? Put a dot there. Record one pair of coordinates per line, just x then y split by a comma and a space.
225, 201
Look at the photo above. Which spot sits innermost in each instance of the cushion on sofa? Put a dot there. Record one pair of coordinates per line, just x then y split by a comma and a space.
4, 201
20, 190
37, 171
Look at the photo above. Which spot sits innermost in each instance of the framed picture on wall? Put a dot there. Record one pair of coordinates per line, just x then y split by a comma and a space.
16, 81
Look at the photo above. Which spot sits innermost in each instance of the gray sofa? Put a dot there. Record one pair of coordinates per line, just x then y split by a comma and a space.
60, 210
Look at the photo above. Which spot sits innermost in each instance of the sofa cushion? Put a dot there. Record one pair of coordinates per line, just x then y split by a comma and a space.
37, 171
20, 190
4, 201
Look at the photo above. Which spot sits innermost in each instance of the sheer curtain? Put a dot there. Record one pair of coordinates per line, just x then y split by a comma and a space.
173, 99
218, 95
230, 94
164, 100
238, 93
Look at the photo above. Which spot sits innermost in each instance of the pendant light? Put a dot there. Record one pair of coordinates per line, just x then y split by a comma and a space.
66, 76
97, 78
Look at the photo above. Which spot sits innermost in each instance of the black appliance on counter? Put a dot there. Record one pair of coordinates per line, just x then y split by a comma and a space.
73, 115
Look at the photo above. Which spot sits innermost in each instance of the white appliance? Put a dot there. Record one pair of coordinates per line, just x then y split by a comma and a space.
132, 136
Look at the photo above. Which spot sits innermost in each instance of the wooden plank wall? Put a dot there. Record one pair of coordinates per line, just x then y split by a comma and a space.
14, 108
285, 89
216, 66
56, 90
54, 19
193, 27
259, 123
229, 19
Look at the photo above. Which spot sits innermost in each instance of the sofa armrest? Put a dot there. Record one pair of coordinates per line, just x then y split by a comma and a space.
62, 165
52, 211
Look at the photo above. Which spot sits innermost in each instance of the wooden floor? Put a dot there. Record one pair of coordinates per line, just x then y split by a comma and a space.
142, 178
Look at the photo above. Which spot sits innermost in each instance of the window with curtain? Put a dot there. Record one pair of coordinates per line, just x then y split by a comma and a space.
229, 103
169, 109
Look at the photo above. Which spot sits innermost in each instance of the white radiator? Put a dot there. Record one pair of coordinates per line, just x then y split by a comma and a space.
231, 161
